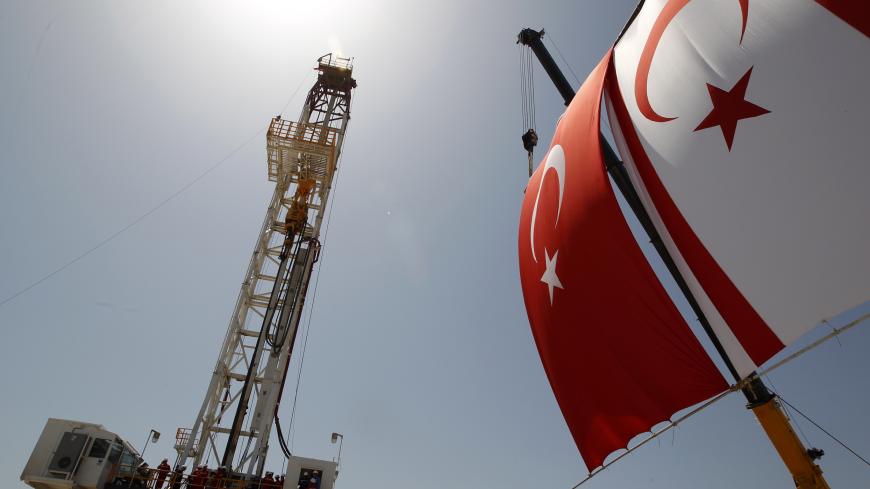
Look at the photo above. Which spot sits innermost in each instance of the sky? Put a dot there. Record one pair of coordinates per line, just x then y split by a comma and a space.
419, 351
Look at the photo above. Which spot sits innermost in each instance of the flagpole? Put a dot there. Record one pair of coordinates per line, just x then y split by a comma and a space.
763, 403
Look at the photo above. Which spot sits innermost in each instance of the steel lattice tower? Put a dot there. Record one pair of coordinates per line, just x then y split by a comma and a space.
235, 421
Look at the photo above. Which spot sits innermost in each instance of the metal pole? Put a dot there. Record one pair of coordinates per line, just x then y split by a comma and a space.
146, 445
135, 470
340, 438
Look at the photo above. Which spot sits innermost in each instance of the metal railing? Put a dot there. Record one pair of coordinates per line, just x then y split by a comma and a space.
335, 61
129, 476
309, 133
182, 436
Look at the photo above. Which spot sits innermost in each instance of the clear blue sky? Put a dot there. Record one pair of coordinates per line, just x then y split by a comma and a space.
420, 351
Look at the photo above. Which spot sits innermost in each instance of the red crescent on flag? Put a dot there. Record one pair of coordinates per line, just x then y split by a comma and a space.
670, 10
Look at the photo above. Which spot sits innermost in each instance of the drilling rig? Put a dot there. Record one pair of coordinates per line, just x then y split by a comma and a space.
242, 398
234, 423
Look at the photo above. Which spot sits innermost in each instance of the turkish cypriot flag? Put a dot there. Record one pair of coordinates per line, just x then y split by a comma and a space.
744, 127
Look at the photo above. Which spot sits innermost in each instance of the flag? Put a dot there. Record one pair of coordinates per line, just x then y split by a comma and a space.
743, 126
619, 356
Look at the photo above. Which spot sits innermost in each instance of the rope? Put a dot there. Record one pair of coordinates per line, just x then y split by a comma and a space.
824, 431
311, 313
308, 324
527, 87
657, 434
534, 118
737, 387
290, 433
559, 51
527, 94
834, 332
530, 85
521, 50
806, 439
147, 213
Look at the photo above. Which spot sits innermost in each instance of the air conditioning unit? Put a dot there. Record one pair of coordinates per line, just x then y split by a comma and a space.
67, 454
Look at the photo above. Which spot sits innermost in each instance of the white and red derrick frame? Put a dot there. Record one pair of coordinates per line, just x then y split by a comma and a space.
234, 423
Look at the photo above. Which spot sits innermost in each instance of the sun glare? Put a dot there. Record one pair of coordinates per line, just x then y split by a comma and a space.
263, 25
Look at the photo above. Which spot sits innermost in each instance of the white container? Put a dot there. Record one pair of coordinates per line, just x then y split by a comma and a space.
77, 454
301, 471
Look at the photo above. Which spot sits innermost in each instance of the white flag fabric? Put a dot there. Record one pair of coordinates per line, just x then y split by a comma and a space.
744, 128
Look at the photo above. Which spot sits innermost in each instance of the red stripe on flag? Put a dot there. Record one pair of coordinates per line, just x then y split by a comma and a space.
759, 341
856, 13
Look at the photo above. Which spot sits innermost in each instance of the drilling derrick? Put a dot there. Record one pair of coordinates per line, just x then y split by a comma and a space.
234, 424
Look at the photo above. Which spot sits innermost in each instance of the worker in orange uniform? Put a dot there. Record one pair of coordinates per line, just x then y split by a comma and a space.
218, 479
211, 482
162, 472
268, 481
197, 478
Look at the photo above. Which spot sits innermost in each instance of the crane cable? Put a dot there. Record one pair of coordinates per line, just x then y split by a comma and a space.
833, 334
149, 212
853, 452
562, 56
321, 258
527, 94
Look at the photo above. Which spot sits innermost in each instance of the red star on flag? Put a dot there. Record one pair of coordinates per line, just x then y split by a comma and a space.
729, 107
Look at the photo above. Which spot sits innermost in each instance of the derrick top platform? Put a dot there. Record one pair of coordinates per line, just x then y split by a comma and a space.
336, 72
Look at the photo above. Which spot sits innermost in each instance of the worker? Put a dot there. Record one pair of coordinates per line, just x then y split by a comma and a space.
210, 479
268, 481
312, 483
143, 475
218, 479
197, 478
162, 472
177, 477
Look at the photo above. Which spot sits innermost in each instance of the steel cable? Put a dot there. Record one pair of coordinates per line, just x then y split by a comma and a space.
150, 211
853, 452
